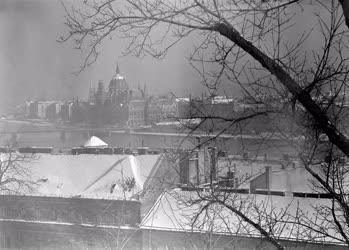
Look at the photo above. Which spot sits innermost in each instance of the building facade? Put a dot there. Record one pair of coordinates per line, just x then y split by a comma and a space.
63, 209
33, 222
161, 110
137, 113
116, 94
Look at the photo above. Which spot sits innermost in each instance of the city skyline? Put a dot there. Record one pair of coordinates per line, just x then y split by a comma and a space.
35, 66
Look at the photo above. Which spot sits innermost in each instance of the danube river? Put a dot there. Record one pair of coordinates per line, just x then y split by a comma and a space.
43, 134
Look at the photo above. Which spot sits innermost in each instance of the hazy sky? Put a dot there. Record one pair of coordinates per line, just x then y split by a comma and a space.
33, 65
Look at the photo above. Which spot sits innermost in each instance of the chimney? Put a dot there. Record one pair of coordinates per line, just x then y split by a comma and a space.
201, 166
268, 177
262, 181
213, 165
231, 179
289, 182
184, 167
194, 168
207, 165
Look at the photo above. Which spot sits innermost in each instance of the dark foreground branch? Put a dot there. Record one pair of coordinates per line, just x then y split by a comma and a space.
323, 122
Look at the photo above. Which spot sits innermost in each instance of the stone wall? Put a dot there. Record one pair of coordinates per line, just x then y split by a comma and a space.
29, 222
157, 239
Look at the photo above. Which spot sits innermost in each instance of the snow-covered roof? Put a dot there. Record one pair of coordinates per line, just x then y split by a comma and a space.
285, 175
87, 175
222, 99
94, 141
182, 99
178, 211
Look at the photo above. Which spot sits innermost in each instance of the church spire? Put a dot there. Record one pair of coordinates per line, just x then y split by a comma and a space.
117, 72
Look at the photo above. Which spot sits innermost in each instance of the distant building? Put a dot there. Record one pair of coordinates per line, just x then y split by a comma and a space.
91, 95
66, 111
27, 108
137, 113
161, 110
118, 89
151, 110
53, 111
108, 106
32, 109
215, 106
100, 95
43, 109
117, 93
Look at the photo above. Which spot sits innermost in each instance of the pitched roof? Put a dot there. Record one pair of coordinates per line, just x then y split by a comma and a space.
177, 210
94, 141
90, 176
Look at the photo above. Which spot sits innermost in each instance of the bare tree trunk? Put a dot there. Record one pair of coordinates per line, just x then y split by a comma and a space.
324, 123
345, 8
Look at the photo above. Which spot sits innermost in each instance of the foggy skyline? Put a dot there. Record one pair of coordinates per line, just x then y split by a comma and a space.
35, 66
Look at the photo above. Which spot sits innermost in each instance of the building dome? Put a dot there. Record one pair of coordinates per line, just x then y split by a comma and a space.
118, 82
118, 88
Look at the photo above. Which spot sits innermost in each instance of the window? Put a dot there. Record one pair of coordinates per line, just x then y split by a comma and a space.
13, 213
46, 213
3, 212
62, 214
103, 218
74, 216
28, 213
89, 217
5, 240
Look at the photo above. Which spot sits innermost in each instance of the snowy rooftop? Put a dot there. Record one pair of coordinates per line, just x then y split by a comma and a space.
177, 210
88, 175
94, 141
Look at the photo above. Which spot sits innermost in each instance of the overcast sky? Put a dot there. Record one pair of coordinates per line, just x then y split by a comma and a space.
33, 65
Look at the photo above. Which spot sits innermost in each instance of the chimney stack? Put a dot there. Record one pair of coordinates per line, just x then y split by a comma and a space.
212, 151
201, 166
231, 179
262, 181
194, 168
268, 176
184, 167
